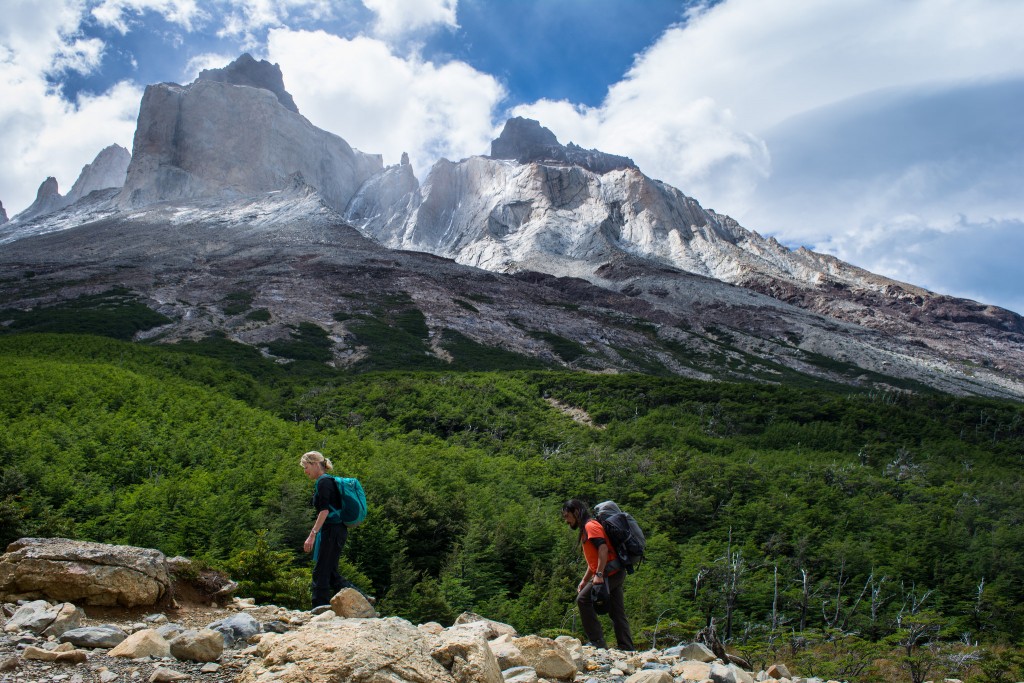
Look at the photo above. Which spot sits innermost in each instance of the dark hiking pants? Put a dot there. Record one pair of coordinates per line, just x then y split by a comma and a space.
326, 579
616, 611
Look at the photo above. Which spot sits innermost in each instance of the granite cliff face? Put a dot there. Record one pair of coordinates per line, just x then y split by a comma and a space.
213, 138
531, 207
547, 242
247, 71
106, 171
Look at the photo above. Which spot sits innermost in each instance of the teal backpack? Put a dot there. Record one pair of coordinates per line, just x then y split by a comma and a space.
353, 502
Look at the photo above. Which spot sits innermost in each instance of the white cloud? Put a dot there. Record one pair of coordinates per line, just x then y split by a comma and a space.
778, 113
116, 13
382, 103
41, 133
399, 17
694, 107
246, 17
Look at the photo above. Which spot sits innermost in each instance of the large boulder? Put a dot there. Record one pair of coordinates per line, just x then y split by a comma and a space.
467, 657
83, 573
237, 628
32, 616
145, 643
391, 650
105, 635
349, 603
549, 658
198, 646
488, 628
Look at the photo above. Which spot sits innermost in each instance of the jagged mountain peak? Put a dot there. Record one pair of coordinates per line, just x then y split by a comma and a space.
526, 140
257, 74
644, 269
3, 214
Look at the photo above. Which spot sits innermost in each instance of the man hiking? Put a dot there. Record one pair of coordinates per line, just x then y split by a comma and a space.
603, 578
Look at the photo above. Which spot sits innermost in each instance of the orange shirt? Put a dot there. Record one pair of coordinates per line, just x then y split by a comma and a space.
594, 530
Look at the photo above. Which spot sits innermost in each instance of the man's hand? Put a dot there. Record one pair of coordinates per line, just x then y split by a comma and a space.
310, 540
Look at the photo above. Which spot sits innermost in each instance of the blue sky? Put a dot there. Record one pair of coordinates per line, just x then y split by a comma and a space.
889, 134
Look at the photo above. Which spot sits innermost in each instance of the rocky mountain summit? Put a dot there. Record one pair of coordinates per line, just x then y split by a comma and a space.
571, 257
175, 637
247, 71
525, 141
107, 171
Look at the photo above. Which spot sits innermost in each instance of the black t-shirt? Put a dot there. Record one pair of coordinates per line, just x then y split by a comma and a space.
326, 494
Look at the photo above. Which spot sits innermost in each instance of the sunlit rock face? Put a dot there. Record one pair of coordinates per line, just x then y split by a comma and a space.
247, 71
214, 138
108, 170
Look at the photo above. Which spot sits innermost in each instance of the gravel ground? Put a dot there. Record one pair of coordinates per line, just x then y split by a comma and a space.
15, 668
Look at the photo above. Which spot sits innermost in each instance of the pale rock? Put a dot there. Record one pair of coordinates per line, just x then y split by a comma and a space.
242, 603
550, 659
198, 646
33, 617
697, 652
145, 643
431, 627
349, 603
105, 636
691, 670
107, 170
741, 675
83, 572
508, 655
210, 668
72, 657
493, 628
38, 654
650, 676
778, 671
163, 674
624, 666
48, 199
329, 615
107, 676
384, 202
388, 649
721, 673
467, 657
189, 144
156, 619
520, 674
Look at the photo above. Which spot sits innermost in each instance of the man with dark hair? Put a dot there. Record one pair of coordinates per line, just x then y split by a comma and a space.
603, 578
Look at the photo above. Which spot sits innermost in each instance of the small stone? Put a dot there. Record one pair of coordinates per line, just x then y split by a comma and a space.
162, 674
210, 668
107, 676
9, 663
73, 657
38, 654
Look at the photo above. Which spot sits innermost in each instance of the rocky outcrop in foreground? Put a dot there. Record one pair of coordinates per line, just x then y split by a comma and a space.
346, 641
83, 572
335, 645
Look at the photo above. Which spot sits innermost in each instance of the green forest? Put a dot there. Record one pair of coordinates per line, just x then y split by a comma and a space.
853, 534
